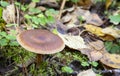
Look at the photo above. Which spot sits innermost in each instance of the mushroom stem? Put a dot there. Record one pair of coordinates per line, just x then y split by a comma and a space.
39, 59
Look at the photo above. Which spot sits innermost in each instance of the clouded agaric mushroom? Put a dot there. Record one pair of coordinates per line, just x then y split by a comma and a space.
40, 41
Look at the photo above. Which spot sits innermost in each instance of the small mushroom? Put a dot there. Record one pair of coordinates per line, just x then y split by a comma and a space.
40, 42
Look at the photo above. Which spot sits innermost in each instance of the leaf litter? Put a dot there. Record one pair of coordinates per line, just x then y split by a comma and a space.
91, 23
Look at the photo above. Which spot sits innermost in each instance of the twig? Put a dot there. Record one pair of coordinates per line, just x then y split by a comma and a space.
18, 10
61, 8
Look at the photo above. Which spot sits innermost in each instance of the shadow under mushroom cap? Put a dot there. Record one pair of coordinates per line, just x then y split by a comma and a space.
40, 41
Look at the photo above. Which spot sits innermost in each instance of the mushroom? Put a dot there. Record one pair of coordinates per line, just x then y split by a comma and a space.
40, 42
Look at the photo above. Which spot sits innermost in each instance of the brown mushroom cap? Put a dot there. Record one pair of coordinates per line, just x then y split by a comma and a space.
40, 41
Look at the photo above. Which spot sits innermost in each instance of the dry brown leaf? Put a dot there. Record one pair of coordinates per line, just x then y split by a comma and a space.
42, 8
115, 32
94, 19
111, 60
88, 72
9, 14
98, 48
85, 3
66, 18
97, 45
95, 56
74, 42
91, 18
94, 50
107, 38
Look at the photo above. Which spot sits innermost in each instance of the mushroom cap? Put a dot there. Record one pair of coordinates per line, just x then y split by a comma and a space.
40, 41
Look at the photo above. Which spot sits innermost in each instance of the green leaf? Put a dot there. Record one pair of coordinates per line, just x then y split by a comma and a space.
17, 3
115, 48
51, 12
108, 45
4, 3
35, 0
34, 25
112, 47
3, 42
27, 16
67, 69
13, 43
93, 63
34, 10
10, 37
40, 15
13, 32
43, 20
4, 34
85, 63
50, 19
55, 31
24, 8
115, 19
1, 9
35, 20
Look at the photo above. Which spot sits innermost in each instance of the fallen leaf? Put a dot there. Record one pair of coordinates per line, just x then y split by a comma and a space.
73, 31
94, 19
97, 45
66, 18
115, 32
88, 72
98, 48
108, 3
104, 34
95, 56
85, 3
42, 8
111, 60
107, 38
91, 18
94, 50
74, 42
94, 29
8, 15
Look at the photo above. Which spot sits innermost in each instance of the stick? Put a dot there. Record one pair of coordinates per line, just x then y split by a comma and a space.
61, 8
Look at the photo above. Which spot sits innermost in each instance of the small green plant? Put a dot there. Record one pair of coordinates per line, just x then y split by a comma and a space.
115, 19
23, 7
7, 39
69, 56
67, 69
94, 64
40, 19
85, 63
10, 47
42, 70
81, 18
112, 47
